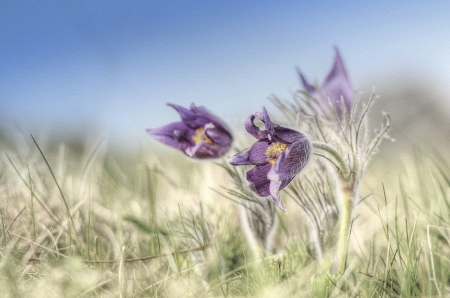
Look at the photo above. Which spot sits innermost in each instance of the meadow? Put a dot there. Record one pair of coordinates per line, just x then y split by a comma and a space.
80, 220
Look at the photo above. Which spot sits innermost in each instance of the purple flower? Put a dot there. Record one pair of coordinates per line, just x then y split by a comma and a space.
336, 87
279, 154
199, 134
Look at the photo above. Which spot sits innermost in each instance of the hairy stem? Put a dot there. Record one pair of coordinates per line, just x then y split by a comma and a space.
347, 202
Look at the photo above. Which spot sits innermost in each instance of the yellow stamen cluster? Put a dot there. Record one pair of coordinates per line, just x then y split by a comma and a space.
201, 137
274, 151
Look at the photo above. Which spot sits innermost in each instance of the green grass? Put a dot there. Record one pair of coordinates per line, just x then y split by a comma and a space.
80, 221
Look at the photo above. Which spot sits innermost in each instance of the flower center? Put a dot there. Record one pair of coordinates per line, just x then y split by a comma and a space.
274, 151
201, 137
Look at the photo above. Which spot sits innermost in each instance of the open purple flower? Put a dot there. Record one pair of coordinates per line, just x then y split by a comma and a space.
199, 134
279, 155
336, 87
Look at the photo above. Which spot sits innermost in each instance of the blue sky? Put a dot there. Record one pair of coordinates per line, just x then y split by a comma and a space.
113, 65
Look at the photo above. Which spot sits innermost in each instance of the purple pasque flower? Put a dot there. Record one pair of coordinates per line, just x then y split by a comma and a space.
200, 134
278, 156
336, 87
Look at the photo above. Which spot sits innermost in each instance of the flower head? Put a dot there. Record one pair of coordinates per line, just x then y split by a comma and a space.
199, 134
278, 156
336, 87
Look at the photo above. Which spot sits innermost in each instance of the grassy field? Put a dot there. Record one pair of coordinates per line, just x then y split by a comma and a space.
78, 220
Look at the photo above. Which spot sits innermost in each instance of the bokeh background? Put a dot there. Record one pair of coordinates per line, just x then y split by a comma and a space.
105, 69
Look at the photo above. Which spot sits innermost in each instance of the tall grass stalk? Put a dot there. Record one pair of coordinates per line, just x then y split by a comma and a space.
72, 230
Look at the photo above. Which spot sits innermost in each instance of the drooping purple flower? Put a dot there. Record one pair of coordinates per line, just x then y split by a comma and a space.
336, 87
278, 156
199, 134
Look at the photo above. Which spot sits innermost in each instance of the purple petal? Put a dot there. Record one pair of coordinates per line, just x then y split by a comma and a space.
253, 129
264, 117
205, 150
240, 159
257, 178
287, 135
291, 161
275, 194
190, 118
204, 113
338, 85
308, 88
218, 135
275, 187
257, 154
176, 135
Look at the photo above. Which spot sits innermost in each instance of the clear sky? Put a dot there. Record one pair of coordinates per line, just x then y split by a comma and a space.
114, 64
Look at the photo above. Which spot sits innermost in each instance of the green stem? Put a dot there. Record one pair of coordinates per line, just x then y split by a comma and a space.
345, 221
